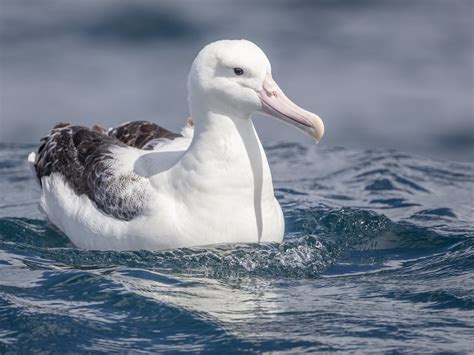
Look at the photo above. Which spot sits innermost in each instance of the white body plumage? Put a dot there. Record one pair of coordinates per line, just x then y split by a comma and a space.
211, 186
188, 205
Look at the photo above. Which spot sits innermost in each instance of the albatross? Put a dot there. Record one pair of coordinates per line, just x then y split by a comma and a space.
141, 186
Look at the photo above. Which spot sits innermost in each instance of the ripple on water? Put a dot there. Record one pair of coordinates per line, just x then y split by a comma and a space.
378, 243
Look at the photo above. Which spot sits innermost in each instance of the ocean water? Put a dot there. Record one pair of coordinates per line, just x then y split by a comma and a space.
379, 251
378, 256
380, 73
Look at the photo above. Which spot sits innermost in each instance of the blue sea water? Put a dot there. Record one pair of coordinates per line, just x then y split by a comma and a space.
378, 253
378, 256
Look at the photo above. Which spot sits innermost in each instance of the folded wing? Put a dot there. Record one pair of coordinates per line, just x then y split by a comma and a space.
100, 163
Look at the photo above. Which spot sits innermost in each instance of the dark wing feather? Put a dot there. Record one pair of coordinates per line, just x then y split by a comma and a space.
84, 159
58, 153
138, 133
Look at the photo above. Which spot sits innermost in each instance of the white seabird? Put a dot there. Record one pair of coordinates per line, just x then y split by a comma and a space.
140, 186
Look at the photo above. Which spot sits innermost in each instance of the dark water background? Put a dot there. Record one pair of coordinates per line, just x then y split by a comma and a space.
381, 73
379, 249
378, 256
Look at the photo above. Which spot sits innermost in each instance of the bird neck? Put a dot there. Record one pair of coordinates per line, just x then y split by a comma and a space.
224, 171
227, 152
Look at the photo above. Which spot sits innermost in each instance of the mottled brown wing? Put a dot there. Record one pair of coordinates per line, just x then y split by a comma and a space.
84, 159
138, 133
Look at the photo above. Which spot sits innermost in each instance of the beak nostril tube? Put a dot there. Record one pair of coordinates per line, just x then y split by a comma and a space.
276, 104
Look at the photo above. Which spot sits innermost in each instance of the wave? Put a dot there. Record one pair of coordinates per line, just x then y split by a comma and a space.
378, 248
316, 239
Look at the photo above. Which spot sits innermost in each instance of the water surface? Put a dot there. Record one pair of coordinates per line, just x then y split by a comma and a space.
378, 255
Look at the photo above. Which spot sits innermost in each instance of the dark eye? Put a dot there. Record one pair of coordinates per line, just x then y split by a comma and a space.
238, 71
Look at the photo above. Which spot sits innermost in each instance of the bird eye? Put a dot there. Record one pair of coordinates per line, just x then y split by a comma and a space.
238, 71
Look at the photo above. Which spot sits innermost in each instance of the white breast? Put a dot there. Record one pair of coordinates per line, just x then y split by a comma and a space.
221, 191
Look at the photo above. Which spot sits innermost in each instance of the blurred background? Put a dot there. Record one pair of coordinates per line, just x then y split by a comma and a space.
381, 74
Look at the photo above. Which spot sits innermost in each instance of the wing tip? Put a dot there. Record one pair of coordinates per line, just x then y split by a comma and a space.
32, 164
32, 157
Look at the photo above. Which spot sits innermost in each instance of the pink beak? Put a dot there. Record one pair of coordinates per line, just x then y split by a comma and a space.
276, 104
